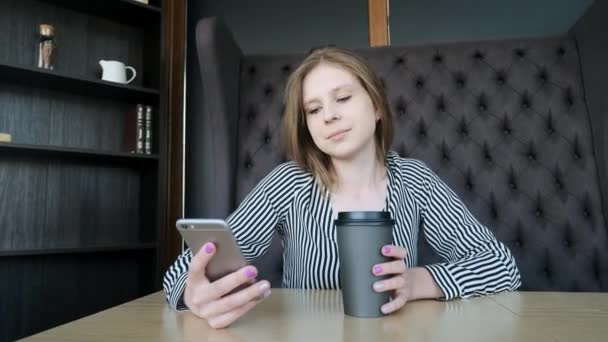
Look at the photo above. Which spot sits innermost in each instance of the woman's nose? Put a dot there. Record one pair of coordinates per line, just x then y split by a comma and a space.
330, 113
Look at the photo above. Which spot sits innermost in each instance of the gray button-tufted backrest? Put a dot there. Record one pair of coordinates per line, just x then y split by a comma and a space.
503, 123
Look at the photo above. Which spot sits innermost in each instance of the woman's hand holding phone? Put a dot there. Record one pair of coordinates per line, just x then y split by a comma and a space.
215, 301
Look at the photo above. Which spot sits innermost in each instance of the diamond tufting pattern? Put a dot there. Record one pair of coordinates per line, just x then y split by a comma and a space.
503, 123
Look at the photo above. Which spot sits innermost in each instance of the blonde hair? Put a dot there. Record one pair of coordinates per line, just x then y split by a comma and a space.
299, 144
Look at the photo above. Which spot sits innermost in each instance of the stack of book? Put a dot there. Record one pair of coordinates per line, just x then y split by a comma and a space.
139, 130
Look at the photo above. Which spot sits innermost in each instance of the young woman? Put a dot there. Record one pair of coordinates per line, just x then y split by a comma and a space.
338, 132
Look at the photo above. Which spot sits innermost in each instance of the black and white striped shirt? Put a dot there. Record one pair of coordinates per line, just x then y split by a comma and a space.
289, 201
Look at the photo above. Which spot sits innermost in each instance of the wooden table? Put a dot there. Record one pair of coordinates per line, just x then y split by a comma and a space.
316, 315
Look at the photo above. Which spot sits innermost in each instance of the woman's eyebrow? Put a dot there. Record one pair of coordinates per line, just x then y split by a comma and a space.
333, 90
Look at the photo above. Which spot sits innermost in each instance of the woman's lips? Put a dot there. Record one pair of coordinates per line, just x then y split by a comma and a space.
337, 134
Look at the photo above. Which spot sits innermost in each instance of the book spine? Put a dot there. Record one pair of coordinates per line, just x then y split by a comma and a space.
148, 131
140, 129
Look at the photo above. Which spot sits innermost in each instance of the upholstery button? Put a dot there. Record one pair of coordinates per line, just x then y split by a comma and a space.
538, 213
268, 90
251, 114
569, 102
512, 185
478, 55
520, 53
559, 184
460, 81
561, 51
565, 243
399, 61
252, 70
445, 154
286, 69
462, 129
500, 77
419, 83
441, 104
468, 180
531, 156
506, 131
494, 211
586, 213
437, 59
421, 130
401, 111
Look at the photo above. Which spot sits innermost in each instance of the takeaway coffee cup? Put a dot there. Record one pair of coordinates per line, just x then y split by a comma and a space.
361, 235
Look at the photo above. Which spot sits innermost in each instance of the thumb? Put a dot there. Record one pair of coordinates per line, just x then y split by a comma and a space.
200, 260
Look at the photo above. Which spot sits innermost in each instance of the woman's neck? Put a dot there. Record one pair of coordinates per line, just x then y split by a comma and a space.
360, 173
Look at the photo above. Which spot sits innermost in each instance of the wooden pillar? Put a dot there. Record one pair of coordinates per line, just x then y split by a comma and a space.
174, 51
378, 22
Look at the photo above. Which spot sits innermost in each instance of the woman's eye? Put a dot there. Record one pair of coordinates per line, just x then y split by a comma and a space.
344, 99
313, 111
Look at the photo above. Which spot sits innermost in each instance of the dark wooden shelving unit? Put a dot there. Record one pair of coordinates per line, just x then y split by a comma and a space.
78, 250
124, 11
25, 150
80, 218
56, 81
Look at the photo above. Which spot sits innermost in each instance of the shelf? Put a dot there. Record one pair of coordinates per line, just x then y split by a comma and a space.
125, 11
22, 150
79, 250
41, 78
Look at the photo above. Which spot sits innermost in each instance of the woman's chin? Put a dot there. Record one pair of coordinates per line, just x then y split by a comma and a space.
343, 151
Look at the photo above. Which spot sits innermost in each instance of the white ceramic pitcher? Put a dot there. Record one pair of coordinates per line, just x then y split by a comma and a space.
116, 71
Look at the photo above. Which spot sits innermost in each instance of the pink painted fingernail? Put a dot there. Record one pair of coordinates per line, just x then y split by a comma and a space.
377, 269
250, 272
209, 248
267, 293
386, 249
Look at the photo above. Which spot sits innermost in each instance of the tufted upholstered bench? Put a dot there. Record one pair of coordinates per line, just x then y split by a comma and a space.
503, 123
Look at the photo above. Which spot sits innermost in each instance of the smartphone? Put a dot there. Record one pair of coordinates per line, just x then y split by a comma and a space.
228, 257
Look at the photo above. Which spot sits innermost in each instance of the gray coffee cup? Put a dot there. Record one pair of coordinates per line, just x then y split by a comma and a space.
361, 235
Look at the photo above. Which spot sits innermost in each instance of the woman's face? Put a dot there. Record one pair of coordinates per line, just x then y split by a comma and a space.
339, 112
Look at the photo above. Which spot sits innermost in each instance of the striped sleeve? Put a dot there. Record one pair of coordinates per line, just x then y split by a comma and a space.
174, 282
252, 223
261, 212
476, 262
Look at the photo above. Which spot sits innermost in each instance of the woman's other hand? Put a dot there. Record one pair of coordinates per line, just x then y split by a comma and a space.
213, 301
407, 284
